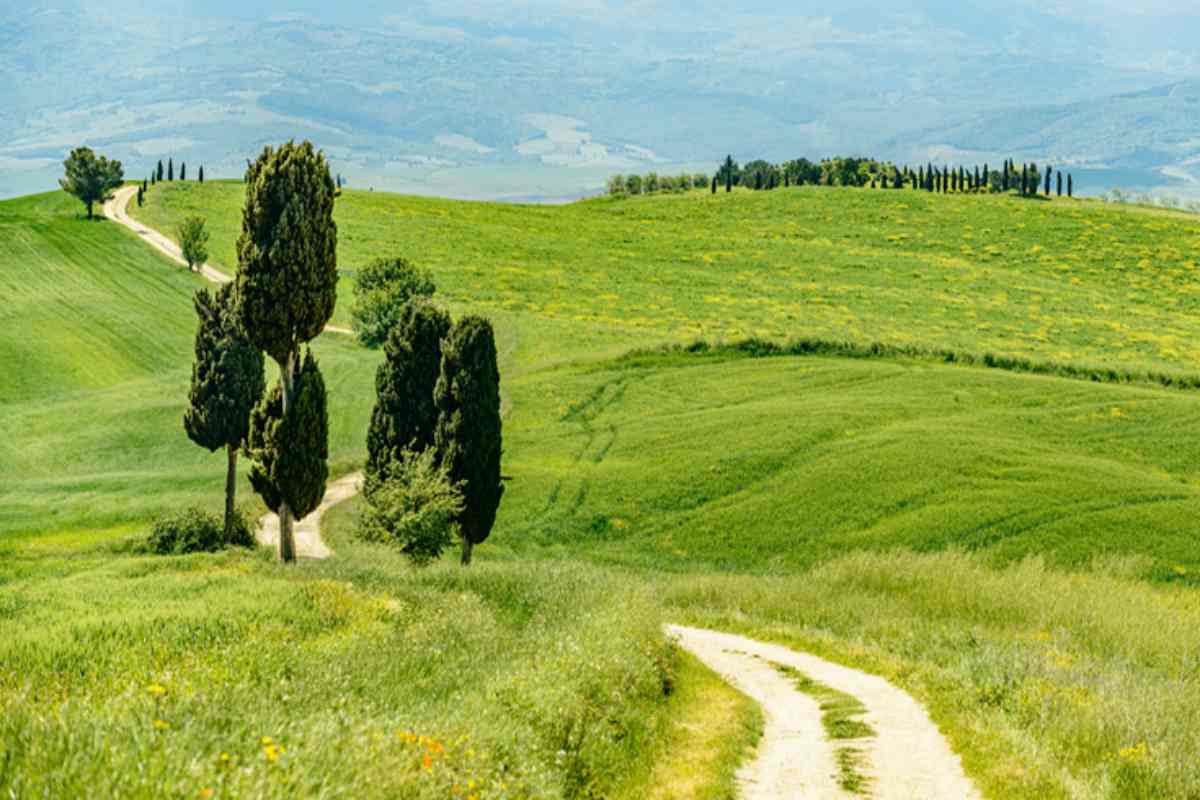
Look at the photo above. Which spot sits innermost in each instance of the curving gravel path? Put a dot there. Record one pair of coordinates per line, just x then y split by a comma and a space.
906, 759
307, 532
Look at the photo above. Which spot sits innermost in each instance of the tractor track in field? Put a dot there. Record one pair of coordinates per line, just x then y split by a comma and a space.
905, 757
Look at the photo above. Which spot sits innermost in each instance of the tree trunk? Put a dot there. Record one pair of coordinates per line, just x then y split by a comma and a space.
467, 546
287, 545
230, 489
89, 205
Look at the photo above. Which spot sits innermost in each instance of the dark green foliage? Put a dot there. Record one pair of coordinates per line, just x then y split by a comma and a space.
170, 169
145, 185
227, 376
1070, 186
1060, 183
196, 531
193, 241
290, 451
728, 172
405, 415
141, 196
986, 176
287, 252
227, 382
381, 290
200, 176
90, 178
1024, 179
468, 437
160, 170
714, 184
183, 172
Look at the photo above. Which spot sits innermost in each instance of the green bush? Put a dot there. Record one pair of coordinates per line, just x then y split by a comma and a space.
380, 291
196, 531
413, 506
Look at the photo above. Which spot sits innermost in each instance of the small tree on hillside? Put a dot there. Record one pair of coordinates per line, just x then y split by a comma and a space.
381, 290
633, 184
183, 171
160, 170
714, 184
90, 178
193, 241
468, 438
405, 414
286, 290
170, 169
1059, 187
1049, 173
200, 176
1070, 186
728, 172
145, 185
141, 194
227, 382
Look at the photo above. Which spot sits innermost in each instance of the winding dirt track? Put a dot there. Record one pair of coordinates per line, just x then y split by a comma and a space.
907, 759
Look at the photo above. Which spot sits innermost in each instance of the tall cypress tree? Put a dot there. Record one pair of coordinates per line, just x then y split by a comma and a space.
200, 176
1024, 179
1049, 173
170, 169
714, 184
1060, 183
468, 436
183, 171
160, 169
1070, 186
227, 382
986, 176
405, 415
286, 290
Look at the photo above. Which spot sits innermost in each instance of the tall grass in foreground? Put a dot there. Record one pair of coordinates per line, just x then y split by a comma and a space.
229, 676
1050, 684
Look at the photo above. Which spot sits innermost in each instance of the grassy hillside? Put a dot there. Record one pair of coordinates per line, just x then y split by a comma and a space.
781, 497
1067, 281
96, 339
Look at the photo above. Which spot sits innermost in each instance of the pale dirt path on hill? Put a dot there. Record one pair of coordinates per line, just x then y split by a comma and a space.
116, 209
907, 759
307, 532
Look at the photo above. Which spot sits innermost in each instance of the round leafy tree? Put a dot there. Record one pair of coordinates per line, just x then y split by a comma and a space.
467, 437
89, 178
227, 382
286, 285
381, 290
405, 415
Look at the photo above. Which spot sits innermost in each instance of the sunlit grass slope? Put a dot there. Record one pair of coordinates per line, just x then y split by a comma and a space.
96, 341
1062, 280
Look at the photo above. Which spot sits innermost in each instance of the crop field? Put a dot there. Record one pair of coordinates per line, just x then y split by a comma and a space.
1016, 550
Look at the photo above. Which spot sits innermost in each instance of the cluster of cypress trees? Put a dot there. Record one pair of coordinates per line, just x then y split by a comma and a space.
158, 174
439, 388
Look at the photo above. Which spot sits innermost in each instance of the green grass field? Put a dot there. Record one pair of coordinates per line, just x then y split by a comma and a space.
1016, 550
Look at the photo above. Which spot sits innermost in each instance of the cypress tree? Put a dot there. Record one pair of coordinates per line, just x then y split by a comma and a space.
227, 382
468, 436
986, 176
1049, 172
286, 290
1070, 186
183, 171
1060, 183
160, 169
787, 181
200, 176
728, 167
1024, 179
758, 180
1004, 178
140, 196
290, 448
714, 184
170, 169
405, 416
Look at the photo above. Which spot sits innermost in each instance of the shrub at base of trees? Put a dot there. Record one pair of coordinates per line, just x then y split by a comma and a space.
194, 530
413, 506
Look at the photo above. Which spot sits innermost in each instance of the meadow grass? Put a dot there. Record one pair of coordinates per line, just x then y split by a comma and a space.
1063, 281
812, 499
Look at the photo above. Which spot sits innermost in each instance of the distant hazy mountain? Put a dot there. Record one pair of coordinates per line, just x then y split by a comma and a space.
542, 99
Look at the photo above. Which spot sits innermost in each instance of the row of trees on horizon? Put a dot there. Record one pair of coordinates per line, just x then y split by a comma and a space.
1027, 179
